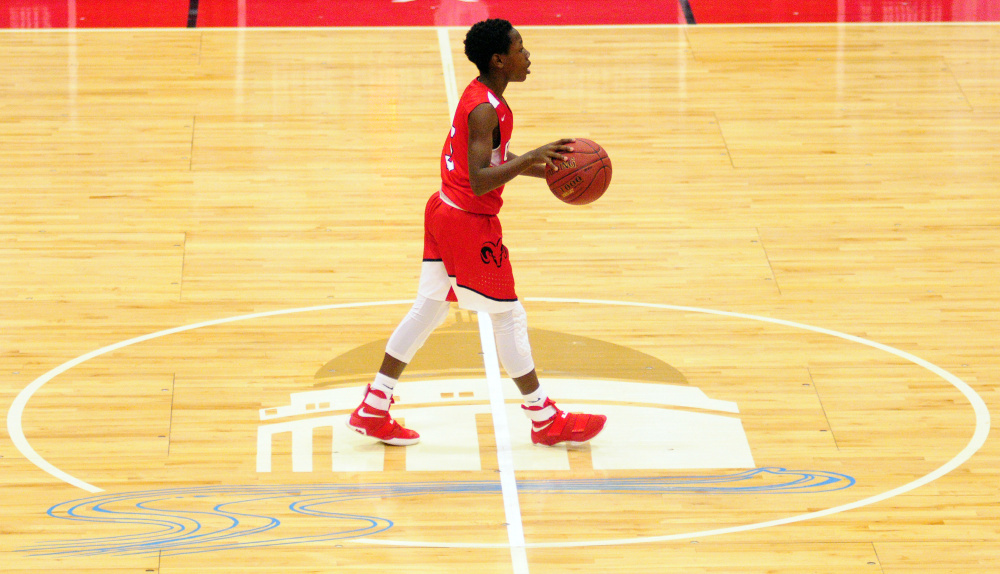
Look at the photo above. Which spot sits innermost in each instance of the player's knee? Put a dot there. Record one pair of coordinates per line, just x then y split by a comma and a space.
431, 311
423, 317
511, 331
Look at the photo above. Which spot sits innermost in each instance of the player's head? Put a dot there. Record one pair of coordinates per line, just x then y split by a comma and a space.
485, 39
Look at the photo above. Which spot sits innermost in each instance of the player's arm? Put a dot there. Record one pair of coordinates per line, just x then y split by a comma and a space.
484, 178
537, 170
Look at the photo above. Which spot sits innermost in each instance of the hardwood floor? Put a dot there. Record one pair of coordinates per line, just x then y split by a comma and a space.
785, 303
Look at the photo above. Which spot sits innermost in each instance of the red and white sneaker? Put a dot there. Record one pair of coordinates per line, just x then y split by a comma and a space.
371, 420
551, 426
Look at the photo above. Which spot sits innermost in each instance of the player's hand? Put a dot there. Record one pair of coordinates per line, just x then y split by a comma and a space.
550, 153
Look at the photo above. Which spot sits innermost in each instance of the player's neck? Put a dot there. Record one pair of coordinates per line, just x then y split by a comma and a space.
496, 85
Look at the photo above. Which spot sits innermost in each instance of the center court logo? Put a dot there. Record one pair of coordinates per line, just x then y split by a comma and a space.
659, 423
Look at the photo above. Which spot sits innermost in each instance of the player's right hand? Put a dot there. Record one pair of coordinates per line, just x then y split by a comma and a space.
550, 153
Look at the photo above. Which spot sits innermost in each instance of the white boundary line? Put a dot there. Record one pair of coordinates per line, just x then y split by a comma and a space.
448, 66
505, 453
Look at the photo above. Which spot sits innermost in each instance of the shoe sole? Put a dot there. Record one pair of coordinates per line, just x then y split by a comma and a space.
389, 441
568, 442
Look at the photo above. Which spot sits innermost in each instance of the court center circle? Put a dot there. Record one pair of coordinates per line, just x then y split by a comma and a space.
979, 436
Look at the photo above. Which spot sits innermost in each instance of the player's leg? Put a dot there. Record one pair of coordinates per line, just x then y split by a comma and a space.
429, 310
371, 418
484, 282
550, 425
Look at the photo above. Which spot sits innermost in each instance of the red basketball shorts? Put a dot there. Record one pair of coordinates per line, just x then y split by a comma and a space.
465, 259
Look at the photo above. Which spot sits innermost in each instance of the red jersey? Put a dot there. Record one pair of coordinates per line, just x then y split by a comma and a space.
455, 155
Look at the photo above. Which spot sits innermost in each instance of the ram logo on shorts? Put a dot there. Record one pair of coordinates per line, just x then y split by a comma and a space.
493, 253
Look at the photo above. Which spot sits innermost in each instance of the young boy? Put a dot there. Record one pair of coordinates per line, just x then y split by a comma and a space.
465, 259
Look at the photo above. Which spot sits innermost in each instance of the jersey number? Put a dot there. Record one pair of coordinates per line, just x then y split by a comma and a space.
448, 161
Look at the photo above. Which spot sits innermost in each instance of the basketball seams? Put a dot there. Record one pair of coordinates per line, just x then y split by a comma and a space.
600, 174
593, 147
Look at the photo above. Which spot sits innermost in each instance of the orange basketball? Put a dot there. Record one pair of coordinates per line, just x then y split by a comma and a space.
584, 176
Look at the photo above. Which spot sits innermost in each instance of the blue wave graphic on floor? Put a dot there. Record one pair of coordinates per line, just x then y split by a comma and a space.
179, 520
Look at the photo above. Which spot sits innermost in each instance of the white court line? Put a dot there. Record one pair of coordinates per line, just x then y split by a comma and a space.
448, 66
505, 454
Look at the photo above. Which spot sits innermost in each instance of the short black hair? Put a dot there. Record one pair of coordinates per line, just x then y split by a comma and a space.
485, 39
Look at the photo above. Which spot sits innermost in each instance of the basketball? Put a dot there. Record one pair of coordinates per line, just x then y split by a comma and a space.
584, 176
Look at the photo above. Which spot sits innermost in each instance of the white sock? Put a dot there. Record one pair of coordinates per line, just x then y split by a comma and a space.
385, 385
535, 399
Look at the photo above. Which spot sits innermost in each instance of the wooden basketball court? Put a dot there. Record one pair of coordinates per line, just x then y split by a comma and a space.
786, 303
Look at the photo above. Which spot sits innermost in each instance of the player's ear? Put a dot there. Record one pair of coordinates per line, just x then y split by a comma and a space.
497, 61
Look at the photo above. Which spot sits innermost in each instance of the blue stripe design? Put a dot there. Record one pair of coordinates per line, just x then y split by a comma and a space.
176, 521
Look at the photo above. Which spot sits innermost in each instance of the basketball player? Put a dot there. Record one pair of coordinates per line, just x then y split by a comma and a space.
465, 259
